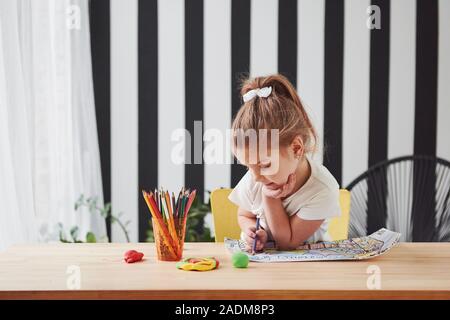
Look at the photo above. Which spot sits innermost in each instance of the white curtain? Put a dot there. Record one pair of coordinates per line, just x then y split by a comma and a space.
49, 151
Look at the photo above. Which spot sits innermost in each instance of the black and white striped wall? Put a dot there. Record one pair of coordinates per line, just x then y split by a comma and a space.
161, 65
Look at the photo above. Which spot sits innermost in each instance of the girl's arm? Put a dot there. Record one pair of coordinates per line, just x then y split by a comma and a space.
288, 232
246, 219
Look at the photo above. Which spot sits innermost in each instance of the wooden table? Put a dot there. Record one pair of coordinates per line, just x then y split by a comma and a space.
409, 270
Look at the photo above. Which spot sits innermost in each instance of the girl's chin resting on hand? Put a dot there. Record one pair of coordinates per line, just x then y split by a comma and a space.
272, 190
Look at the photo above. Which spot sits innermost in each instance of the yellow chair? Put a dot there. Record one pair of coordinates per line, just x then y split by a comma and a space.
226, 223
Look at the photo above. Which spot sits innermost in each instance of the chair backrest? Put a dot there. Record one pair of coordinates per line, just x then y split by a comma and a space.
409, 194
226, 223
224, 215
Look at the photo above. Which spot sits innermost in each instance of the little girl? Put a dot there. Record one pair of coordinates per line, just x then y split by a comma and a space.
293, 195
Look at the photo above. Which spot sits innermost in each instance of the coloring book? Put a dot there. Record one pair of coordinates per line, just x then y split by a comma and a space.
350, 249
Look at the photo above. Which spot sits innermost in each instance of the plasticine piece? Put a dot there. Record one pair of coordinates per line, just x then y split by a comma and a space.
132, 256
240, 260
198, 264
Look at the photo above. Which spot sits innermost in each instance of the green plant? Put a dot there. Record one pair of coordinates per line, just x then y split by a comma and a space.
196, 231
195, 225
73, 235
105, 212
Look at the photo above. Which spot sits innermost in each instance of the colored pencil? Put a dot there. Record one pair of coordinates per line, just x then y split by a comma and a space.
178, 204
170, 212
188, 206
256, 236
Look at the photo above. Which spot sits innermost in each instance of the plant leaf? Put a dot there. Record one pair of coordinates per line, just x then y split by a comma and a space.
103, 213
62, 236
74, 233
90, 237
92, 204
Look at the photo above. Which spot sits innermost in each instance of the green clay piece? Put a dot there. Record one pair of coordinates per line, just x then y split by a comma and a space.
240, 260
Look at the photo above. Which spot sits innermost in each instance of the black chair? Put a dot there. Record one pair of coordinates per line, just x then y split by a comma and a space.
408, 194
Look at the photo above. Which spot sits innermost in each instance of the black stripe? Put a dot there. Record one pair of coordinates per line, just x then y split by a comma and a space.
194, 173
426, 77
334, 62
423, 212
240, 63
100, 50
378, 119
287, 39
379, 86
148, 106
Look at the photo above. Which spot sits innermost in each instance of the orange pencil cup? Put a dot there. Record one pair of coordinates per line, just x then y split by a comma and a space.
169, 221
167, 248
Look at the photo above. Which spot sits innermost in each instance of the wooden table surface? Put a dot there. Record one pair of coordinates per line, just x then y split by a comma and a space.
409, 270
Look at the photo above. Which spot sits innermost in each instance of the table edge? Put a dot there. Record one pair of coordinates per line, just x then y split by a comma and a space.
225, 295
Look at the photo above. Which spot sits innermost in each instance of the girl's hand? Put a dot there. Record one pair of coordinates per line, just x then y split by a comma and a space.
283, 191
250, 238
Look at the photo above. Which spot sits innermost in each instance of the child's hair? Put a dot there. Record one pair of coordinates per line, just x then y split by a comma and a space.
281, 110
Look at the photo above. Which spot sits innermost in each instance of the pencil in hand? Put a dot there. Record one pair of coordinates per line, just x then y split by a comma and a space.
256, 235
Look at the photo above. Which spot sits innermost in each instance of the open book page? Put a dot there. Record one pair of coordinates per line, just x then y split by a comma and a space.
350, 249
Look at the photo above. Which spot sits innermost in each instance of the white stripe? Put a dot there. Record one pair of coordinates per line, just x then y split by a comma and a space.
171, 90
264, 37
356, 90
443, 115
402, 69
402, 78
124, 120
217, 80
310, 66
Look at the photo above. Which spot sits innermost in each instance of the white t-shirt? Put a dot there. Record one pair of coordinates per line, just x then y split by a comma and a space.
317, 199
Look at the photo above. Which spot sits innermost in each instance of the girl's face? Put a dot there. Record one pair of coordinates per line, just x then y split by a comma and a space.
272, 168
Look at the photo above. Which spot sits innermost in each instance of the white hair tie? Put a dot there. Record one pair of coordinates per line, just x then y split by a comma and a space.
260, 92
